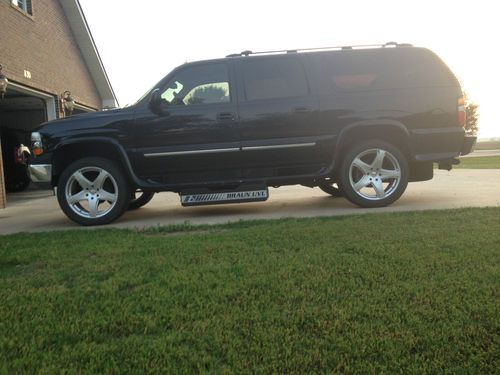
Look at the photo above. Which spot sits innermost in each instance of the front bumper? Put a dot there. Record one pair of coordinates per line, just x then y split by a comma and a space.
468, 145
40, 173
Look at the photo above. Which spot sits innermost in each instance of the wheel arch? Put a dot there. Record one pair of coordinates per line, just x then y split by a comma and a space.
71, 150
391, 131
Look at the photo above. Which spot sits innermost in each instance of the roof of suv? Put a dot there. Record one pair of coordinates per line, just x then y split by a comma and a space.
318, 49
247, 53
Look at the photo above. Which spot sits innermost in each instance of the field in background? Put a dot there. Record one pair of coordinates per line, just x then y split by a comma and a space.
488, 145
479, 162
376, 293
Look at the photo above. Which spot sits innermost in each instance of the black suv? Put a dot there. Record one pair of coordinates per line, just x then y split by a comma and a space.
359, 122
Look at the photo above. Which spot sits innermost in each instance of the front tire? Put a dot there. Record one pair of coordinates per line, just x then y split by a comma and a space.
93, 191
373, 173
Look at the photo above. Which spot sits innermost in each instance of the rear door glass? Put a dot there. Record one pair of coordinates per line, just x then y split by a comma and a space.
274, 78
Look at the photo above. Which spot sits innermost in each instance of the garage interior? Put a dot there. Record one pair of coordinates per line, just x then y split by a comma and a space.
20, 113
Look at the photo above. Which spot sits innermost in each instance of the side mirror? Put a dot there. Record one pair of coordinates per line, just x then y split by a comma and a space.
155, 102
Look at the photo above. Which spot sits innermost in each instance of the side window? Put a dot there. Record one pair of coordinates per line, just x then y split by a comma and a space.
204, 84
350, 72
217, 92
382, 69
274, 78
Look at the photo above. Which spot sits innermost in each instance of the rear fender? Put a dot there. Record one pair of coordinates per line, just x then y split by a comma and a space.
390, 131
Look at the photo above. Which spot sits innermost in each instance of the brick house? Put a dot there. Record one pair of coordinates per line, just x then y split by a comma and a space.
46, 49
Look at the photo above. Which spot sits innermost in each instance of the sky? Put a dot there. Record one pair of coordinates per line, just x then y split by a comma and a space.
141, 41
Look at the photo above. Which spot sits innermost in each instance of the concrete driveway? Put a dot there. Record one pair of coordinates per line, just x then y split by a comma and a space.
455, 189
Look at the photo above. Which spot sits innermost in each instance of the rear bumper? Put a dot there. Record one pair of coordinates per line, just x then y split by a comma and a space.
440, 143
468, 145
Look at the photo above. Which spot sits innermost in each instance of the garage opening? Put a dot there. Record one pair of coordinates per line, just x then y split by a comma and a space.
20, 113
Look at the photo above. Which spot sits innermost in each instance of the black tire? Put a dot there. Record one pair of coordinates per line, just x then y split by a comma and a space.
359, 174
331, 189
92, 191
17, 179
140, 198
16, 175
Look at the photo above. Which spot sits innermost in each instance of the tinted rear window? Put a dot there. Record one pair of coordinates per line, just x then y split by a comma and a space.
273, 78
383, 69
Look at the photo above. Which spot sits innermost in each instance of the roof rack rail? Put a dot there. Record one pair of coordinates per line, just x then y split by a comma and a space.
342, 48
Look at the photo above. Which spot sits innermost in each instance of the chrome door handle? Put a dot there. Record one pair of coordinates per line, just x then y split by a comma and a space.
302, 109
226, 116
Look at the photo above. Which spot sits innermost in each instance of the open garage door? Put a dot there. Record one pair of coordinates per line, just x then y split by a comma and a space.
20, 113
21, 110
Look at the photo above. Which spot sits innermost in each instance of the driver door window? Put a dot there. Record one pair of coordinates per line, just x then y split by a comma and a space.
205, 84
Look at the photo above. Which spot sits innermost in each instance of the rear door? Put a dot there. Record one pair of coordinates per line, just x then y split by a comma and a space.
279, 121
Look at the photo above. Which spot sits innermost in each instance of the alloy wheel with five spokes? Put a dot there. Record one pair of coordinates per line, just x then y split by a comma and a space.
373, 174
93, 191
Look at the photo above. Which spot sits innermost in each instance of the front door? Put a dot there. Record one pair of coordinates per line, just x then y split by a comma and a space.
193, 137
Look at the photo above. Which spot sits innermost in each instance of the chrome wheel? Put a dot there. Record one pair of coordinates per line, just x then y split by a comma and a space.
375, 174
91, 192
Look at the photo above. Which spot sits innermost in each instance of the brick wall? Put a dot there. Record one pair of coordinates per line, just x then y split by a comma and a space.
44, 45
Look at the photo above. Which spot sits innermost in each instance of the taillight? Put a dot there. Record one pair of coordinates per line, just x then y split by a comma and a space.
462, 116
18, 155
36, 143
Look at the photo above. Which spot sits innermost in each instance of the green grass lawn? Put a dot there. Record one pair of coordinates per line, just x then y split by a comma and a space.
487, 145
479, 162
379, 293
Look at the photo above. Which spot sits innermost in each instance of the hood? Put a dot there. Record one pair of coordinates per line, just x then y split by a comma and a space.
85, 121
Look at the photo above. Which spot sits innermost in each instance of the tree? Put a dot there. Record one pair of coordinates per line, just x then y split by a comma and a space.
210, 93
471, 111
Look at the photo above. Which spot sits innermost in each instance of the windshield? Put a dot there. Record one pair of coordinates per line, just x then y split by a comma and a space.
147, 93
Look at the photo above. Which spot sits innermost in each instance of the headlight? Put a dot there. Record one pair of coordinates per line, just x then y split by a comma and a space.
36, 143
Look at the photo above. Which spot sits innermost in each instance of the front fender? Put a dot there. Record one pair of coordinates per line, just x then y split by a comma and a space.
107, 147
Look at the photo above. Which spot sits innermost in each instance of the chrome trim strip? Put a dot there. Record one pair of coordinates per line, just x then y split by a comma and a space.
192, 152
292, 145
40, 172
233, 149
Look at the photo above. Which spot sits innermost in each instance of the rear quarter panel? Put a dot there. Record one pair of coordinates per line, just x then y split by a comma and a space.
426, 107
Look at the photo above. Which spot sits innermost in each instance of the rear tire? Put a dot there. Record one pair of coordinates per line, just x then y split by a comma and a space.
373, 173
140, 198
331, 189
93, 191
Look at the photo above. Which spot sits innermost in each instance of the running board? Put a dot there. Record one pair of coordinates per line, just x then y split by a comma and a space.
202, 197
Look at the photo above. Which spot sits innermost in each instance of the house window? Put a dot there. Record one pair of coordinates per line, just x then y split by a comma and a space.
24, 5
